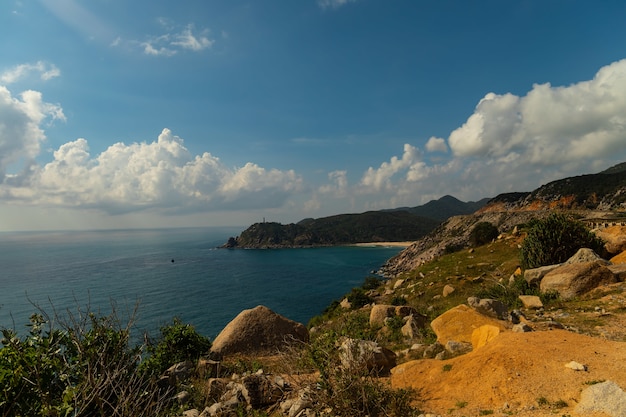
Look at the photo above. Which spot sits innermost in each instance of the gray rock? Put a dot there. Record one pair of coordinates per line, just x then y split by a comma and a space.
586, 255
433, 350
606, 397
522, 328
260, 391
191, 413
455, 348
354, 352
576, 279
531, 301
489, 307
535, 275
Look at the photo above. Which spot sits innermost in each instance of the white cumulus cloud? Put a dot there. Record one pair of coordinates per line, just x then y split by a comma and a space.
20, 133
161, 175
379, 178
435, 144
550, 125
45, 70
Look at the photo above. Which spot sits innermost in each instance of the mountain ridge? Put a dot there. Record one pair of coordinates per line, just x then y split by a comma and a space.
390, 225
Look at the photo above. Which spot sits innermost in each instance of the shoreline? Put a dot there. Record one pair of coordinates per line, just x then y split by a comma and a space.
387, 244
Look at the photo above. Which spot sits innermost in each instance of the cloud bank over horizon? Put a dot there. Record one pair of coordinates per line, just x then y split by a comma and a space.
509, 143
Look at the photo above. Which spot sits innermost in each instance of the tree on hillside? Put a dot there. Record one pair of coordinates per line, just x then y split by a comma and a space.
555, 239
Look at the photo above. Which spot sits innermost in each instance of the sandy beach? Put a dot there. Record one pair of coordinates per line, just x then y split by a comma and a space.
388, 244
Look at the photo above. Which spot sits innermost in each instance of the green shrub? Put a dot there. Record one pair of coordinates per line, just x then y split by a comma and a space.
348, 387
358, 298
178, 342
482, 233
80, 365
371, 283
555, 239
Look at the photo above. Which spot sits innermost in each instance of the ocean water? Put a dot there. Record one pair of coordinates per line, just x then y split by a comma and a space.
172, 273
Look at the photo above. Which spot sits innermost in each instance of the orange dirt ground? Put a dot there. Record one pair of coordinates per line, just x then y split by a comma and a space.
521, 374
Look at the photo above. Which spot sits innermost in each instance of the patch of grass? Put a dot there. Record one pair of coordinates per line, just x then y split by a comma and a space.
461, 404
485, 412
594, 381
559, 404
542, 402
447, 367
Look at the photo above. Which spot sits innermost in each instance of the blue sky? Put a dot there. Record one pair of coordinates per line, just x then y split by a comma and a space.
156, 113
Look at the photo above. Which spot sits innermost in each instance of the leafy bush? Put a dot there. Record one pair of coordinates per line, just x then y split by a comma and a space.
83, 365
371, 283
358, 298
554, 240
482, 233
508, 294
348, 387
178, 342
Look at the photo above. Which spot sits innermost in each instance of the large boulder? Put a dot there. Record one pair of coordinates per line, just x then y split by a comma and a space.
257, 331
358, 353
379, 313
459, 323
620, 258
535, 275
576, 279
615, 238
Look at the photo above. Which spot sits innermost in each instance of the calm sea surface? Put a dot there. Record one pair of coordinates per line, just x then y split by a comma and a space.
172, 273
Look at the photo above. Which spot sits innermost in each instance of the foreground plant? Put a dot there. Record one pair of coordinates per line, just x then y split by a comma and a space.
85, 364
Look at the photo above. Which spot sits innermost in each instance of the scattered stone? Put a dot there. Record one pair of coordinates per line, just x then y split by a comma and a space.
606, 397
576, 366
182, 397
522, 328
489, 307
447, 290
345, 304
191, 413
455, 348
398, 284
531, 301
572, 280
433, 350
412, 327
258, 330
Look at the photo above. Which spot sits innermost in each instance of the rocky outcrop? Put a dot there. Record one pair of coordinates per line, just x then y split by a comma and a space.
459, 323
452, 234
257, 331
572, 280
615, 238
